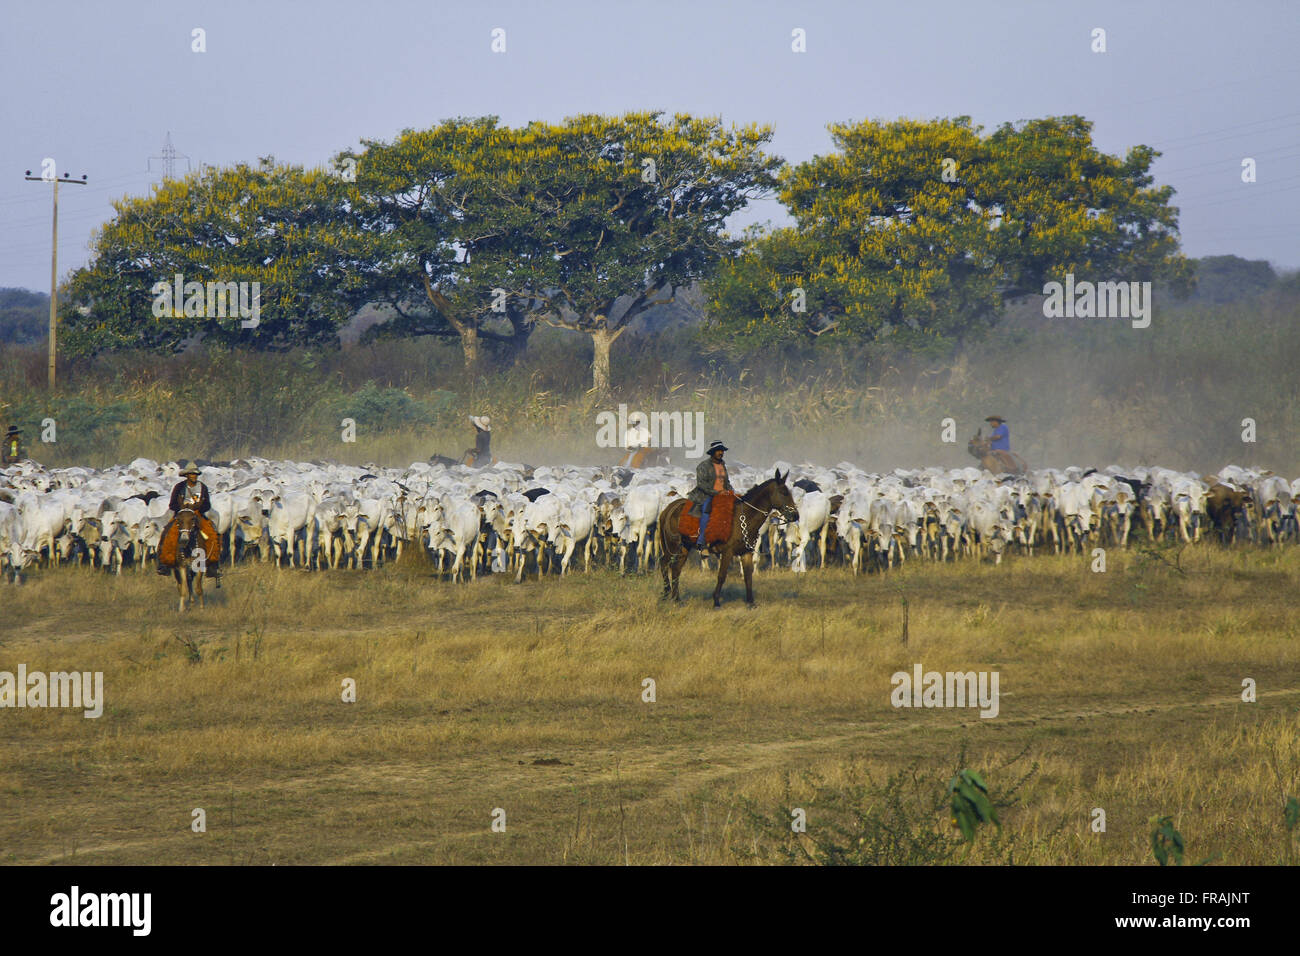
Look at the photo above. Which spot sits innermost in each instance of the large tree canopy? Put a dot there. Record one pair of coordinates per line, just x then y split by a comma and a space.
921, 230
614, 213
283, 227
444, 240
584, 223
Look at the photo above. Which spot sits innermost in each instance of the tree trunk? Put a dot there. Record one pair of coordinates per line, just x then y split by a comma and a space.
468, 329
601, 340
470, 344
521, 328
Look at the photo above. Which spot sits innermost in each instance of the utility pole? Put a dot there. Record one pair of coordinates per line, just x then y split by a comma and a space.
54, 258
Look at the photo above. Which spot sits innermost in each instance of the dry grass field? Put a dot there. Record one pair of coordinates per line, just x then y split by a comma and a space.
1119, 690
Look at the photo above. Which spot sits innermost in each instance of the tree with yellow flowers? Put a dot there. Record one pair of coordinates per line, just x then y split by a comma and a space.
920, 231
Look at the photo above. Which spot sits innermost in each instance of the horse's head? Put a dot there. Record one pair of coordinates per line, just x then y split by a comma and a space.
187, 524
774, 495
979, 445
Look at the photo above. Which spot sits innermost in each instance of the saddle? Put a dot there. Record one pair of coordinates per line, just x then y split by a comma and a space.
169, 546
720, 514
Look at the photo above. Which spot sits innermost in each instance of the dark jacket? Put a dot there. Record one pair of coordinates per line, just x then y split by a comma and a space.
178, 497
703, 489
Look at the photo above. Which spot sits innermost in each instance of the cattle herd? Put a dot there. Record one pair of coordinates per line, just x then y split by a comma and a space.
550, 520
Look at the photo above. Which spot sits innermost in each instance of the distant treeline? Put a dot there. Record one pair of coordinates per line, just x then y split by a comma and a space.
24, 316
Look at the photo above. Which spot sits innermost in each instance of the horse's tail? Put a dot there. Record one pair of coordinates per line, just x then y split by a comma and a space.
667, 524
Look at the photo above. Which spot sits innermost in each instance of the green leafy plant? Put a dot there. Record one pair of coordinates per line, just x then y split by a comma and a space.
970, 803
1166, 842
861, 822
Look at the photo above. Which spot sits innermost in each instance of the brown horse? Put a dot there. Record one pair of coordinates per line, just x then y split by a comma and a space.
999, 462
645, 458
752, 510
191, 557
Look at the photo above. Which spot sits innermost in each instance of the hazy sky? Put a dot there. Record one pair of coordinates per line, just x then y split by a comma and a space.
97, 85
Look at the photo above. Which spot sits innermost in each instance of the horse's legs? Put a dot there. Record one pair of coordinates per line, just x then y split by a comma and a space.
197, 581
747, 565
179, 575
664, 570
724, 565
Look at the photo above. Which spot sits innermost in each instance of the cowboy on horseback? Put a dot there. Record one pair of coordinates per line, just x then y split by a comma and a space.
480, 456
192, 495
741, 519
637, 442
995, 452
710, 478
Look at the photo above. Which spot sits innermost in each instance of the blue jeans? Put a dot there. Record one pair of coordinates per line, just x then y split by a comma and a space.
704, 520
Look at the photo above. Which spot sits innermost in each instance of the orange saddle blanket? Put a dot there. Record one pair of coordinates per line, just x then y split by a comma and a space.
170, 543
719, 529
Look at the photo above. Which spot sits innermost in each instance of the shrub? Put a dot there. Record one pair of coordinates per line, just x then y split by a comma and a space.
82, 427
383, 409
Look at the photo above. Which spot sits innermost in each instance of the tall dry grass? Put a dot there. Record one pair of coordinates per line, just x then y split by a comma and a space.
1123, 687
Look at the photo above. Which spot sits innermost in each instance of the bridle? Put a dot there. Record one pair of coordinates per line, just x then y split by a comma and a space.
187, 533
764, 516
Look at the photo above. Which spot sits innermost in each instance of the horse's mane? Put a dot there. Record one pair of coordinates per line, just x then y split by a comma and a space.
752, 493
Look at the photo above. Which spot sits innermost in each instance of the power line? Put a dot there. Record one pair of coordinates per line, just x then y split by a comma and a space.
168, 157
1229, 161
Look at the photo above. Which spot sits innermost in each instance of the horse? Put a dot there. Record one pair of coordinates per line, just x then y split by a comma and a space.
998, 462
752, 511
189, 581
637, 458
472, 459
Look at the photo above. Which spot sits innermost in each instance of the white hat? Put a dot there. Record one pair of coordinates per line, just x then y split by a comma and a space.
481, 421
637, 434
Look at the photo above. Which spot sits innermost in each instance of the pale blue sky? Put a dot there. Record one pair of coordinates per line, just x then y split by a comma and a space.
97, 85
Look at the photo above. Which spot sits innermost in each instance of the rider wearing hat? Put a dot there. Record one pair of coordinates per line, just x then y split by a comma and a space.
637, 440
192, 494
12, 450
482, 440
710, 478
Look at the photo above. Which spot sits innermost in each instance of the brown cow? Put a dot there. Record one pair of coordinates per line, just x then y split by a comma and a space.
1225, 506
